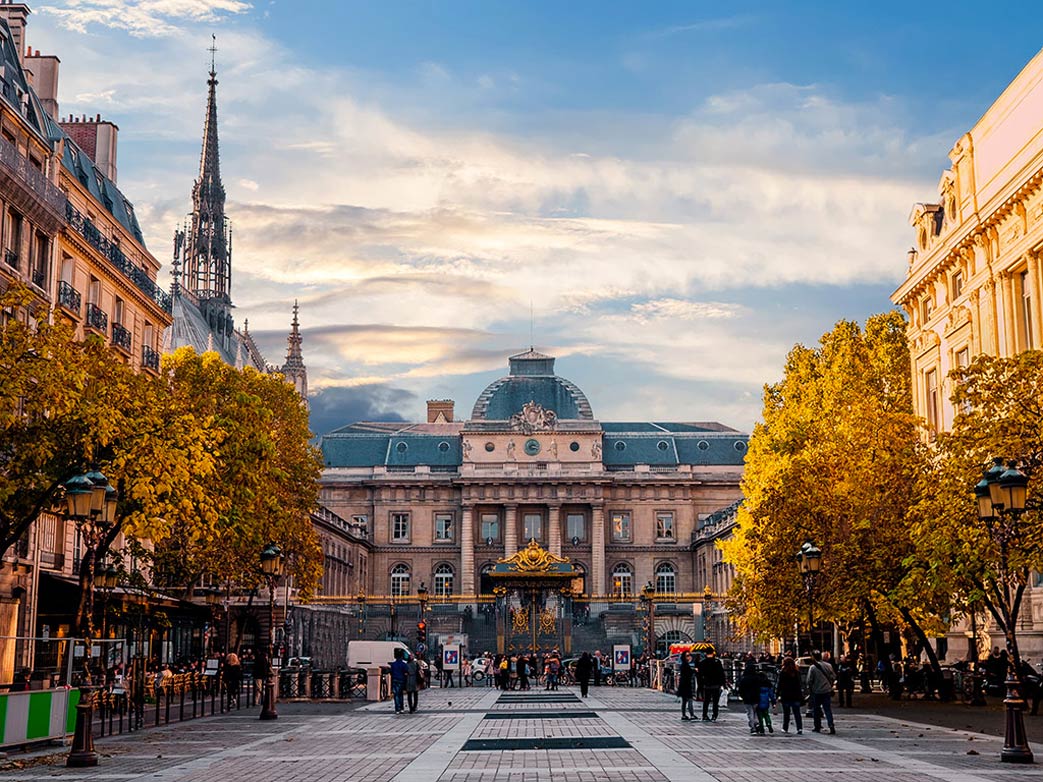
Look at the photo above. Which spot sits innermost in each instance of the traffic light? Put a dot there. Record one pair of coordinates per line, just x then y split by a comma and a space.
421, 633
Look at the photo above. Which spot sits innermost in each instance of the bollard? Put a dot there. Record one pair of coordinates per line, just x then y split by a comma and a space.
373, 684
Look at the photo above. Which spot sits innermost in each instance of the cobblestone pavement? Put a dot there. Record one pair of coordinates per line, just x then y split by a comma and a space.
478, 735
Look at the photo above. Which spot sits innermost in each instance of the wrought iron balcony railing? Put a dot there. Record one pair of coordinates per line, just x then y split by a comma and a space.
85, 228
22, 169
69, 297
121, 337
96, 318
11, 258
149, 358
40, 277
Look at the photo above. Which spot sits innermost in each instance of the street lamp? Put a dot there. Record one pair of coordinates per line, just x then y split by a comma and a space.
106, 581
271, 569
91, 506
1001, 497
360, 598
648, 598
809, 559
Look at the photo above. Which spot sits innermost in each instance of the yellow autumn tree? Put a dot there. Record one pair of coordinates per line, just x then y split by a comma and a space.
835, 461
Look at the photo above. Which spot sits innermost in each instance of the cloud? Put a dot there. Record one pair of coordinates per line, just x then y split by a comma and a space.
331, 408
142, 18
703, 26
678, 309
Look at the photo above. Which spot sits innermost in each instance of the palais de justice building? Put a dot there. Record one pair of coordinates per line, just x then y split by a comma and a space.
444, 499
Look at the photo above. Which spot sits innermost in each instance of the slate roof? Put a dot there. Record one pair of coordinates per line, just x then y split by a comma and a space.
190, 328
79, 164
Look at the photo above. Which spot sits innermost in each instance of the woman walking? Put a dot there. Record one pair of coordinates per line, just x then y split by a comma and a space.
584, 667
750, 692
791, 694
686, 688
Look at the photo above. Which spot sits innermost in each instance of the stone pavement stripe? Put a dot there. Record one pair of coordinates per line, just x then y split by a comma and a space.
432, 762
669, 763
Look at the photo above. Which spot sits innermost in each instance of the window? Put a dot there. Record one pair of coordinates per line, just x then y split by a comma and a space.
622, 580
963, 358
94, 292
933, 402
533, 526
443, 526
926, 308
362, 522
400, 580
957, 284
117, 312
576, 527
621, 527
490, 527
444, 574
664, 525
400, 527
665, 579
1026, 311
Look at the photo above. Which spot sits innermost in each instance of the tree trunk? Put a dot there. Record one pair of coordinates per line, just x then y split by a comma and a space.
922, 637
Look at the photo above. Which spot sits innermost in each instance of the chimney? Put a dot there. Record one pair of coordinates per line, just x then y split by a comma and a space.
97, 137
42, 70
16, 15
439, 411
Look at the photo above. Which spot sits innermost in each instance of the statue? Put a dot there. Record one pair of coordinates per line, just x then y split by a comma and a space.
510, 450
595, 450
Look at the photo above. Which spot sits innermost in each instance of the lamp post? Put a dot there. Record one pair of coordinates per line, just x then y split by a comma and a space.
360, 598
809, 559
648, 597
106, 581
271, 569
91, 506
1001, 497
213, 602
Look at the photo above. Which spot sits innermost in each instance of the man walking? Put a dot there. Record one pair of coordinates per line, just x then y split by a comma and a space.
412, 683
399, 674
584, 668
711, 677
820, 685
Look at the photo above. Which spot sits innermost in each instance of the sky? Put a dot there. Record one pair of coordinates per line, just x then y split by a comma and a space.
666, 196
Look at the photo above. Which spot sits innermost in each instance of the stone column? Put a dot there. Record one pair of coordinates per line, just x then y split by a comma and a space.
467, 550
1010, 342
597, 550
510, 530
1034, 283
554, 530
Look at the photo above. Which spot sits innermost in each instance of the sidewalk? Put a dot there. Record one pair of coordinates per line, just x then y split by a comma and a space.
989, 719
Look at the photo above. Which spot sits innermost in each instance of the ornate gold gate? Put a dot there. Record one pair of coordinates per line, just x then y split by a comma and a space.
533, 596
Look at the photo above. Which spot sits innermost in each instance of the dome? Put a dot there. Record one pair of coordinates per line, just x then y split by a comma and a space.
531, 378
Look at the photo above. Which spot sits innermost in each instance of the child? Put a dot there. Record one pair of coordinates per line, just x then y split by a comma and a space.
767, 700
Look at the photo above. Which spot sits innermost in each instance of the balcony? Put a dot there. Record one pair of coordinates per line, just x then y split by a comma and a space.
149, 358
80, 223
39, 277
96, 319
69, 298
122, 338
11, 258
29, 188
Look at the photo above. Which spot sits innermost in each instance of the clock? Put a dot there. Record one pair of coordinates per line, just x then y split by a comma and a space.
532, 447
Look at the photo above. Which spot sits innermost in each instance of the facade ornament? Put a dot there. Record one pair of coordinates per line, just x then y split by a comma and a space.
532, 559
595, 450
533, 418
510, 450
553, 449
467, 449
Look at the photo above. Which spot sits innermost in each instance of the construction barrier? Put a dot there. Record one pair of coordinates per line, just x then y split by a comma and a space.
37, 715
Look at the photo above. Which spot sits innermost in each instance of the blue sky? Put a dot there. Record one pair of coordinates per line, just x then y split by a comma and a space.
680, 191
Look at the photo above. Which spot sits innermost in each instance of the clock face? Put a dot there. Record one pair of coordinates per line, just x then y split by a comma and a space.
532, 447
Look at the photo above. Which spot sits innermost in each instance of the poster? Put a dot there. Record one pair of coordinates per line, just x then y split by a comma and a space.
451, 657
621, 657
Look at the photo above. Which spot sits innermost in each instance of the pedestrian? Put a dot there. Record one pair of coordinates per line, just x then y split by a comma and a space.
764, 705
555, 670
712, 681
584, 667
399, 673
820, 685
597, 668
790, 692
845, 681
466, 668
412, 683
864, 667
750, 692
504, 673
233, 678
686, 688
523, 672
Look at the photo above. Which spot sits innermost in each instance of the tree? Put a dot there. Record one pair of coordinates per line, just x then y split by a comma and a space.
999, 404
258, 482
834, 461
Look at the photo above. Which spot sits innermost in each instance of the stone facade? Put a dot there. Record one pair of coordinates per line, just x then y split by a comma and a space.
444, 501
973, 284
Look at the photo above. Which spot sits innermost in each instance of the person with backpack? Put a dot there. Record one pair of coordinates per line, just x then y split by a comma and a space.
820, 685
764, 704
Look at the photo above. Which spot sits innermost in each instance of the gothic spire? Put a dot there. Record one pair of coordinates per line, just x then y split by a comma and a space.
294, 368
207, 248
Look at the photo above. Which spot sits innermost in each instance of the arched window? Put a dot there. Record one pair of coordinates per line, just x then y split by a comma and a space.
622, 580
665, 579
400, 580
444, 574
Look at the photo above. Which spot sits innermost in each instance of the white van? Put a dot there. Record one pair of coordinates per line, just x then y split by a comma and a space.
374, 654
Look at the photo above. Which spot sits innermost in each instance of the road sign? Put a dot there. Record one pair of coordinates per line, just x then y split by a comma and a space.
621, 657
451, 657
421, 649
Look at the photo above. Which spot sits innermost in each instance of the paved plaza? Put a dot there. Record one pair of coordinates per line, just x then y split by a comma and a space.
480, 735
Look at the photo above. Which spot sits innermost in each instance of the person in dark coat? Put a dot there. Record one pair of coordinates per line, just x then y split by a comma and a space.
790, 691
845, 680
584, 668
233, 676
712, 681
686, 687
750, 692
523, 672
